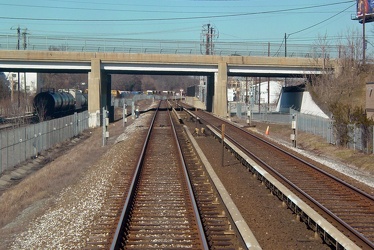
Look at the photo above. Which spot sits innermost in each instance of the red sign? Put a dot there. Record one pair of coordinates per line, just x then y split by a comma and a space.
365, 7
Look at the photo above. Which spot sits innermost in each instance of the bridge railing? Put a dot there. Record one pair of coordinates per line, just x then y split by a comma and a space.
115, 45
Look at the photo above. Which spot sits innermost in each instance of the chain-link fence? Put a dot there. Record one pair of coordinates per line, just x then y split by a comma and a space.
360, 138
20, 144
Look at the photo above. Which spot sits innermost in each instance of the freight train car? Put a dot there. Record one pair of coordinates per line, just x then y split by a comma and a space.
50, 104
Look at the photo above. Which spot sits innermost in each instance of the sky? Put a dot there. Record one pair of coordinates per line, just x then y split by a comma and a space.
233, 20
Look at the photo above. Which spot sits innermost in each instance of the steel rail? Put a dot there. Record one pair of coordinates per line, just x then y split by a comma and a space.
320, 206
366, 195
130, 196
120, 230
190, 189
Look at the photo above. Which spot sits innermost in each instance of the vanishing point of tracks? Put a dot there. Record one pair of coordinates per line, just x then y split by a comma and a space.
160, 210
346, 207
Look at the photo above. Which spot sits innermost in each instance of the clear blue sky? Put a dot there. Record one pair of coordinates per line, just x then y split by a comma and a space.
234, 20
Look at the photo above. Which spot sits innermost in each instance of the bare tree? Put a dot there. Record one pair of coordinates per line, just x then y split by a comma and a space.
62, 80
4, 87
41, 110
341, 92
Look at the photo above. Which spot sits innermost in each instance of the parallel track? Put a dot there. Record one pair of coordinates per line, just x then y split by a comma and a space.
348, 208
220, 229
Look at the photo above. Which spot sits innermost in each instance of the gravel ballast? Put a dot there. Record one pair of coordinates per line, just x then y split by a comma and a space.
62, 216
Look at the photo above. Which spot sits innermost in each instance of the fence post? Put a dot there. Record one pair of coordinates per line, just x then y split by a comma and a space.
75, 124
1, 154
354, 137
7, 150
133, 110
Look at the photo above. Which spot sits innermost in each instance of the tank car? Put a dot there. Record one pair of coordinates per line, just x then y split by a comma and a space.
81, 99
51, 104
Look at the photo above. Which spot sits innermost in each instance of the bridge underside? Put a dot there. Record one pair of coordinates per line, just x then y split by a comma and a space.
100, 66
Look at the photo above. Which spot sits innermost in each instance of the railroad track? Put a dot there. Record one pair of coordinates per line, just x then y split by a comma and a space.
160, 210
344, 206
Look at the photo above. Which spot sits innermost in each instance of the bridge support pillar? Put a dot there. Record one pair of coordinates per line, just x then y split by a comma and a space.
220, 90
99, 85
209, 93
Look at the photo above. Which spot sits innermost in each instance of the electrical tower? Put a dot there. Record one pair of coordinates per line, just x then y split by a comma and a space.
24, 34
18, 47
208, 36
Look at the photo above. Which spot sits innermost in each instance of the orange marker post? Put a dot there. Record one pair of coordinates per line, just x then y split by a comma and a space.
267, 131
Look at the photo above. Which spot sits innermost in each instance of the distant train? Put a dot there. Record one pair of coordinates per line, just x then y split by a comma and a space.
158, 92
50, 104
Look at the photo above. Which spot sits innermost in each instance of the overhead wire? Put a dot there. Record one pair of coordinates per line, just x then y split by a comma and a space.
314, 25
104, 9
279, 11
311, 26
172, 18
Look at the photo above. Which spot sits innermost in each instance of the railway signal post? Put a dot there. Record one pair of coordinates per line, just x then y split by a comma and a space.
124, 115
294, 132
105, 126
133, 110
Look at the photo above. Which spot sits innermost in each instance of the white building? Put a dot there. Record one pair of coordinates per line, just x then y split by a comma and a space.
231, 95
271, 89
28, 81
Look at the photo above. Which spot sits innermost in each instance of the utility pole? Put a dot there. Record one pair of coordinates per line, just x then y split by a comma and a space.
207, 36
363, 32
259, 95
208, 42
365, 14
18, 47
19, 37
285, 45
246, 90
18, 86
24, 34
285, 53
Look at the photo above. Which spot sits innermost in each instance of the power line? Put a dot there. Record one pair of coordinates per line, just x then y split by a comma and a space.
104, 9
314, 25
134, 4
142, 11
173, 18
88, 35
284, 41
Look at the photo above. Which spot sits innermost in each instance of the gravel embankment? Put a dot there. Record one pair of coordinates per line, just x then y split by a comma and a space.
67, 224
63, 218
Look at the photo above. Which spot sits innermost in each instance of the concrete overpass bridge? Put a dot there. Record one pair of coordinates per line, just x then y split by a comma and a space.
100, 66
